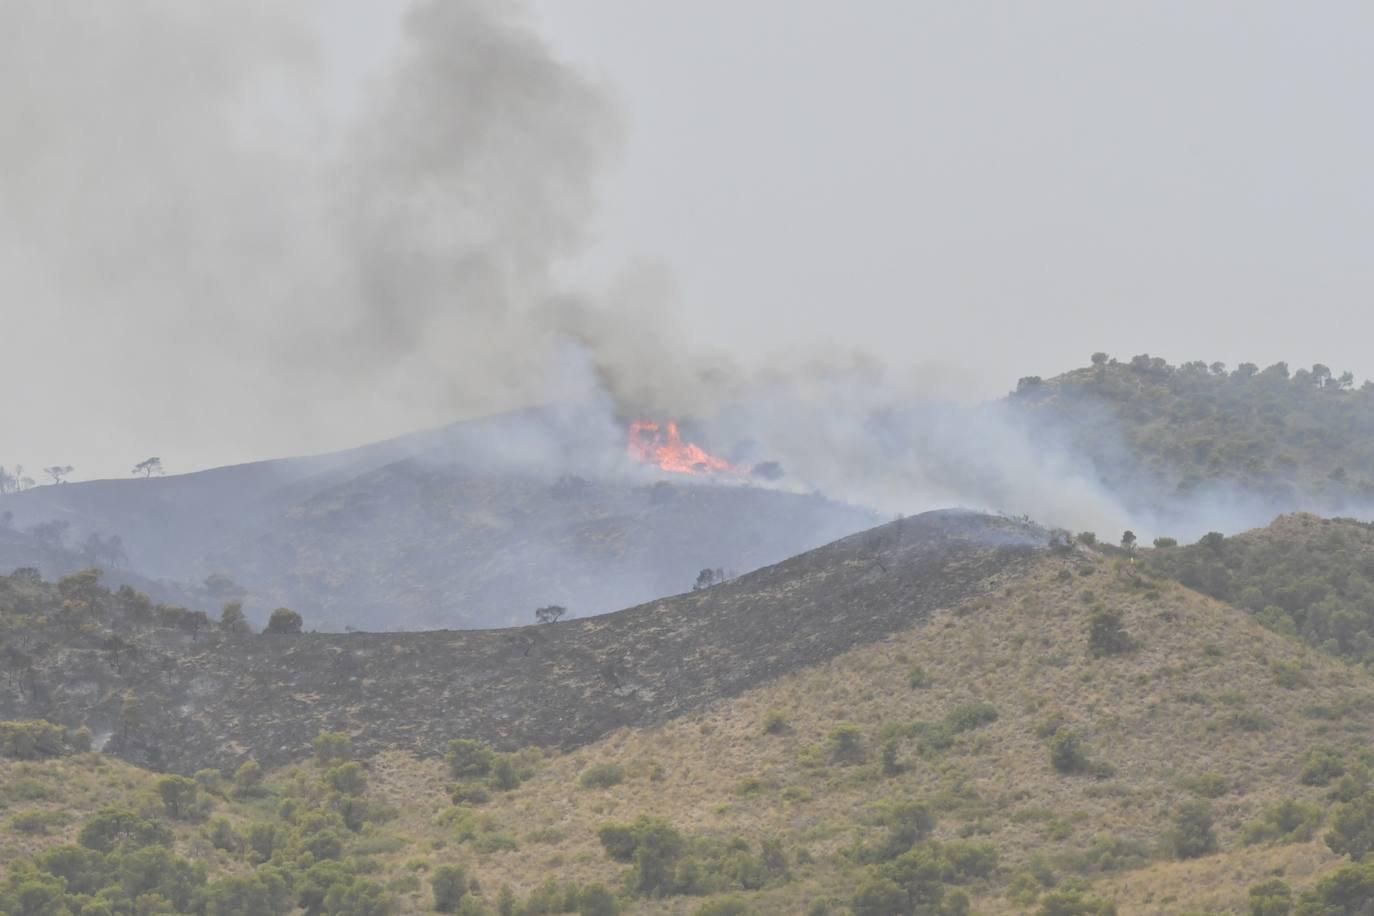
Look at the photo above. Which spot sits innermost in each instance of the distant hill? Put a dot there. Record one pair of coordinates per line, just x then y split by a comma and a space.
1048, 732
1189, 440
1302, 574
471, 525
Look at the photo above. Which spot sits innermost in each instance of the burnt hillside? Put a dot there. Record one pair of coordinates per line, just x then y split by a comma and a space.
185, 698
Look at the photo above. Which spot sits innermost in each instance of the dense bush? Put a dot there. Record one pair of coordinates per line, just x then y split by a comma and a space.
1067, 752
1270, 898
846, 744
667, 863
450, 885
1287, 822
1352, 828
1192, 835
284, 621
32, 740
602, 776
1106, 635
1322, 766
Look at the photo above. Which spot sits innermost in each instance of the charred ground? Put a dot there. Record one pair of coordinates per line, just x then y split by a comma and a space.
181, 696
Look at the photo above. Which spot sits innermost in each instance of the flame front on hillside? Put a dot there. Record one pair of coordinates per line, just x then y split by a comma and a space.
662, 446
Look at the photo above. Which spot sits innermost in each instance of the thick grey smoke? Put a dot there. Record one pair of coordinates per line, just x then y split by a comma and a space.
260, 264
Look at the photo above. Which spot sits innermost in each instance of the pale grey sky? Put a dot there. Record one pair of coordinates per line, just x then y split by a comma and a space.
968, 191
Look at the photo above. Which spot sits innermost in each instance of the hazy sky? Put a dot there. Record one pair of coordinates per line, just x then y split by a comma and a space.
970, 192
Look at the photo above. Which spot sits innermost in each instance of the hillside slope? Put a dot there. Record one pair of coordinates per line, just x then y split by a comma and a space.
1159, 436
208, 698
789, 797
471, 525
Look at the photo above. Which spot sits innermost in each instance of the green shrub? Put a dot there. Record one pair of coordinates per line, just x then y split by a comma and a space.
469, 758
1352, 828
1045, 729
1074, 901
774, 722
891, 765
1192, 835
333, 747
450, 885
111, 827
468, 793
1067, 754
726, 906
602, 776
505, 774
879, 896
917, 678
597, 900
969, 716
1289, 674
178, 794
37, 822
846, 744
1271, 898
347, 779
211, 781
1322, 766
618, 840
248, 779
32, 740
1106, 635
1248, 720
284, 622
1287, 822
1346, 890
1206, 785
222, 835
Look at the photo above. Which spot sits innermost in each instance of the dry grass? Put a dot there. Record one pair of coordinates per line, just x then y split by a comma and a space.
1162, 713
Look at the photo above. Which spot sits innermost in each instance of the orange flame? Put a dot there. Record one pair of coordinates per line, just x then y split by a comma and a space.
663, 447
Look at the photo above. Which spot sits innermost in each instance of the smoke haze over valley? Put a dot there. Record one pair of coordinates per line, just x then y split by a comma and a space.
699, 458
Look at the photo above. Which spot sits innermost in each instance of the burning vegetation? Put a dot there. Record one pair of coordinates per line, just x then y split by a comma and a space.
663, 447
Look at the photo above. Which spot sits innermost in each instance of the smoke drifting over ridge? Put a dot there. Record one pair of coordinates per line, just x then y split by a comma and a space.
176, 184
179, 184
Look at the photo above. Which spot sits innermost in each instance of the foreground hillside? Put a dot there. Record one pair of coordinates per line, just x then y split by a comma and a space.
1086, 737
162, 686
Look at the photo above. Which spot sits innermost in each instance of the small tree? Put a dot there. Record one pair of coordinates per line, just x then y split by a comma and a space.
1352, 828
332, 747
597, 900
549, 614
468, 758
178, 794
248, 779
846, 744
231, 619
1067, 754
58, 471
1106, 635
450, 883
148, 467
1192, 834
284, 621
1128, 540
1272, 898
